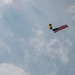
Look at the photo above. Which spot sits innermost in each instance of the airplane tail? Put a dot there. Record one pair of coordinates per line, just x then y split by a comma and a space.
50, 26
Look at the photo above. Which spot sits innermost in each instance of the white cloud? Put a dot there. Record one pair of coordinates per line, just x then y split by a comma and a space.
0, 15
55, 47
4, 47
69, 42
38, 32
11, 69
73, 18
16, 4
8, 34
71, 10
38, 42
63, 54
8, 2
52, 73
53, 41
5, 34
51, 48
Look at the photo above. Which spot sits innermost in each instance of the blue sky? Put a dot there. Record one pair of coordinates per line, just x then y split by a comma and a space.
27, 46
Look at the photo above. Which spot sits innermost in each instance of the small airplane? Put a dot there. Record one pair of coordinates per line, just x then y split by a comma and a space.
59, 28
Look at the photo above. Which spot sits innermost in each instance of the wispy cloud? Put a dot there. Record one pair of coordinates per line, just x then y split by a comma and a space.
52, 47
69, 43
52, 73
8, 2
73, 18
11, 69
5, 35
39, 50
71, 10
0, 15
4, 47
55, 49
18, 4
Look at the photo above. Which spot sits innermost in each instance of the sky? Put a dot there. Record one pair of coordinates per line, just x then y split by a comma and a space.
28, 46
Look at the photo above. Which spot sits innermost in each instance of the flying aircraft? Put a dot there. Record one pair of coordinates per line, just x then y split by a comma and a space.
59, 28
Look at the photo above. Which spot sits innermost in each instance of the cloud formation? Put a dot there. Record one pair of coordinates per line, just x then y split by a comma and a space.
17, 4
71, 10
52, 48
31, 44
11, 69
46, 51
4, 47
8, 2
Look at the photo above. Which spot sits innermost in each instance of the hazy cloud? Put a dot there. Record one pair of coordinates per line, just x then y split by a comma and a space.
18, 4
51, 48
11, 69
71, 10
4, 47
34, 48
8, 2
